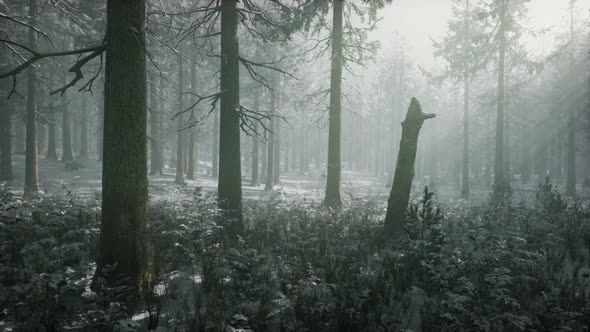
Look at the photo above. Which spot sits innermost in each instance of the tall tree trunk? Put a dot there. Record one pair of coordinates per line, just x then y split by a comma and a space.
526, 153
571, 125
334, 176
215, 149
245, 152
41, 134
500, 185
287, 145
192, 156
100, 116
19, 141
255, 181
263, 159
507, 138
466, 165
75, 129
66, 126
555, 159
456, 172
83, 126
179, 126
319, 150
294, 147
31, 156
255, 178
123, 233
465, 182
489, 165
399, 197
303, 151
156, 141
230, 177
540, 159
270, 155
276, 173
186, 152
571, 154
376, 149
161, 127
66, 133
51, 145
5, 137
6, 112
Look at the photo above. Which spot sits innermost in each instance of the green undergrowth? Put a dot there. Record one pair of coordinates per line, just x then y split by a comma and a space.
302, 267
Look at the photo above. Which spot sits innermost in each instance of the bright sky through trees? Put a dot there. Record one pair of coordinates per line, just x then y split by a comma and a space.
419, 21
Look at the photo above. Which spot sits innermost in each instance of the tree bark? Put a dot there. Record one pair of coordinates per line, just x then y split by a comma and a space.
185, 134
155, 142
399, 197
334, 176
5, 138
294, 148
215, 149
75, 130
161, 128
192, 156
123, 233
525, 170
100, 120
571, 155
31, 156
66, 133
179, 127
245, 152
571, 125
303, 151
41, 134
507, 137
6, 112
276, 172
288, 144
466, 44
255, 181
230, 178
263, 162
66, 128
270, 155
500, 184
465, 180
555, 159
51, 145
83, 126
19, 140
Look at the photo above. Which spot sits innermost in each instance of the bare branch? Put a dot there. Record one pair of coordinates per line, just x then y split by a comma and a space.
15, 20
250, 65
95, 51
77, 69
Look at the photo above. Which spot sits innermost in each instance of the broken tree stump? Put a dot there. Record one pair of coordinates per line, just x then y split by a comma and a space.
397, 204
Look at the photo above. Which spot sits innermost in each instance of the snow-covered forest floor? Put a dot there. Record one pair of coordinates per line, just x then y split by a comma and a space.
85, 180
475, 265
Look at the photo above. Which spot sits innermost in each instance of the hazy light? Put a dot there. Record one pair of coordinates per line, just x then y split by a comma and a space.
420, 20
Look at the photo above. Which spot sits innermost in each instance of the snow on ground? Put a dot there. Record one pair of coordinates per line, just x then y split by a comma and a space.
86, 180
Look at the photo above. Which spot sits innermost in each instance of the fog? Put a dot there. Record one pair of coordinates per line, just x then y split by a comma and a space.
343, 165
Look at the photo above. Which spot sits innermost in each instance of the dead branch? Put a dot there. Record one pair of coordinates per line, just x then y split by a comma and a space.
36, 56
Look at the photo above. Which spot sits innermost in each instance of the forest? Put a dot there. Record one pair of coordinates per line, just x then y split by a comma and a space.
294, 165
